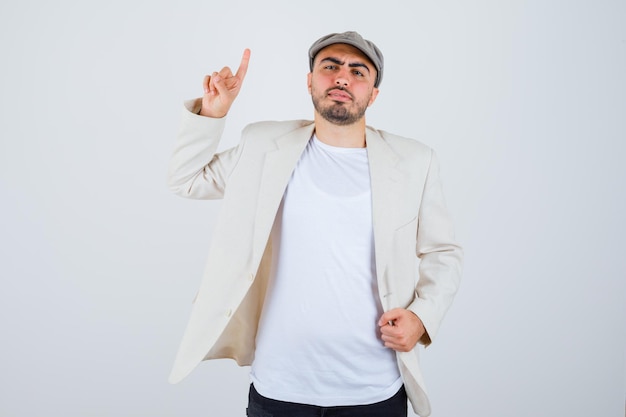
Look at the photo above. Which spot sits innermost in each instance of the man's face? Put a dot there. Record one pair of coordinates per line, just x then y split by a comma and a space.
341, 84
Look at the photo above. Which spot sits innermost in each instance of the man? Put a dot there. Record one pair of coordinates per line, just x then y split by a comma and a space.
311, 276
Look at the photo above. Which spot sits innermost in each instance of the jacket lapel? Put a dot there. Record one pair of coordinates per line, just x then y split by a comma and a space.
386, 183
277, 169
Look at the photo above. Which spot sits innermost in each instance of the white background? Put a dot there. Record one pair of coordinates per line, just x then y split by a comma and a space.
524, 102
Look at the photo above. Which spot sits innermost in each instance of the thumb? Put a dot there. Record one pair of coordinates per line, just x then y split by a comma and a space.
389, 316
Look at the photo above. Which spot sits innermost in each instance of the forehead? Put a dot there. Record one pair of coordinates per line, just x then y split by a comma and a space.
344, 52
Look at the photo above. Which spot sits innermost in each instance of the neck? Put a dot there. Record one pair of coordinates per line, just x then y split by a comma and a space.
348, 136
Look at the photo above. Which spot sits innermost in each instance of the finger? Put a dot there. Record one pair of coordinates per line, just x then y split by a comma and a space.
389, 331
205, 84
391, 342
387, 339
397, 347
212, 81
243, 66
396, 342
225, 73
220, 86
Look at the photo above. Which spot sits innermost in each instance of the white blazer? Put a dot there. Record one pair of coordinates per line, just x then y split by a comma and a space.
409, 218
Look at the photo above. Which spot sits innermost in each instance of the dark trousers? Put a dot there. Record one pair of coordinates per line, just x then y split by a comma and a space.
259, 406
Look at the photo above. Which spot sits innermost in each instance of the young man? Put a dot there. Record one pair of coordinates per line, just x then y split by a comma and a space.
311, 276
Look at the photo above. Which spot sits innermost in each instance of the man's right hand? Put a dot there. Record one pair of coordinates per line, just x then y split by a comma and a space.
221, 89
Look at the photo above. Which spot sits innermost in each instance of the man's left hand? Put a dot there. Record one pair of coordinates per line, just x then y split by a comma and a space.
401, 329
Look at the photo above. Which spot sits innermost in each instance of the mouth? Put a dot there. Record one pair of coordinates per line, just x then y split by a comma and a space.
339, 95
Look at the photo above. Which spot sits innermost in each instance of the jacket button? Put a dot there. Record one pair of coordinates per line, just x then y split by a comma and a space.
251, 276
229, 312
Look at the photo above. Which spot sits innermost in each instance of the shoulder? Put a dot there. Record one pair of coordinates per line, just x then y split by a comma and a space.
400, 144
275, 128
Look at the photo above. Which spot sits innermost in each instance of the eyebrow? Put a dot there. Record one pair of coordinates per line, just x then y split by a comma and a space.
351, 65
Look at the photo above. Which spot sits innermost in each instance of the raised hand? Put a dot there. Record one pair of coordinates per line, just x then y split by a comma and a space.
221, 88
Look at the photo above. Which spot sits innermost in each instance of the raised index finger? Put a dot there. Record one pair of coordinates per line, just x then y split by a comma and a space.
243, 67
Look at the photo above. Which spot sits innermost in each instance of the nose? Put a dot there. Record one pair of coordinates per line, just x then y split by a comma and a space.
342, 78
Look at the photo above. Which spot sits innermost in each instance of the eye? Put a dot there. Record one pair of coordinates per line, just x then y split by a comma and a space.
330, 67
358, 73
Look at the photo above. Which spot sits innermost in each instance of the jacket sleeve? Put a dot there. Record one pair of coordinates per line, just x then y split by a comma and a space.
196, 170
440, 257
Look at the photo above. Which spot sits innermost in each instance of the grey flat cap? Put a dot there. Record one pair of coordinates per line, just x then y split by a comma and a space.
354, 39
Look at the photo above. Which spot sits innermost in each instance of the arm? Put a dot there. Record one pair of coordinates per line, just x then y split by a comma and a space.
441, 257
439, 273
195, 170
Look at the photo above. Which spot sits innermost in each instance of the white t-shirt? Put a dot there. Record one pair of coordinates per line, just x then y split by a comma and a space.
318, 340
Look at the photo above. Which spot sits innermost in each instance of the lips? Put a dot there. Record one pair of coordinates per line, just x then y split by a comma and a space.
339, 95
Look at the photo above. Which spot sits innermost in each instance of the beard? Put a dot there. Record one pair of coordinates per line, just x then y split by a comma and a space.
339, 113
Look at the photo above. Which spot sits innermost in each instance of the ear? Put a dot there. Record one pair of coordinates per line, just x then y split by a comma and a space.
374, 95
308, 81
